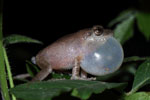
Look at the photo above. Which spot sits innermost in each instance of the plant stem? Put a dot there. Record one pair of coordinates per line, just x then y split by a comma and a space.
3, 81
11, 83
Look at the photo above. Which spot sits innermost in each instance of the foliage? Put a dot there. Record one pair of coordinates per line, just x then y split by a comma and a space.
124, 29
15, 38
49, 89
125, 22
138, 96
30, 67
3, 81
3, 43
143, 20
142, 76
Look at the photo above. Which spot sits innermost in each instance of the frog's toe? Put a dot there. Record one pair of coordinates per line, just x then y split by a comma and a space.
80, 78
90, 79
75, 78
57, 79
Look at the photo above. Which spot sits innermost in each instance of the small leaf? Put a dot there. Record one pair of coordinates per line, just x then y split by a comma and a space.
49, 89
124, 30
33, 65
143, 20
131, 68
142, 76
135, 58
138, 96
31, 68
15, 38
122, 16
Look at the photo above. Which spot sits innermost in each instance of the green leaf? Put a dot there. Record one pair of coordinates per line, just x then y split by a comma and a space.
3, 79
15, 38
135, 58
122, 16
31, 68
138, 96
131, 68
85, 91
143, 20
49, 89
124, 30
142, 76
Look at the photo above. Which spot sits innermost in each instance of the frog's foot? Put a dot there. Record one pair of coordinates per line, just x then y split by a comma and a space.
75, 78
90, 79
81, 78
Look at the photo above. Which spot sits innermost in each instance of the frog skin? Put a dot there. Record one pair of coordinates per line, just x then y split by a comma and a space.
75, 51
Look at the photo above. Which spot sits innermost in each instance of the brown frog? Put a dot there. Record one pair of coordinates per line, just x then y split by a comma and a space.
80, 52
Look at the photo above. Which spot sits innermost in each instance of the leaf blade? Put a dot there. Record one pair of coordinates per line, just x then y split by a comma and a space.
143, 22
15, 38
138, 96
84, 92
142, 76
55, 87
135, 58
124, 30
122, 16
31, 68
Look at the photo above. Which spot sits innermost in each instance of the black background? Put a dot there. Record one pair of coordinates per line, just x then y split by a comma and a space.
49, 20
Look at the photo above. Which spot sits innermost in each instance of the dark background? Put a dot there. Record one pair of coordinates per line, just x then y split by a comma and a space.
47, 21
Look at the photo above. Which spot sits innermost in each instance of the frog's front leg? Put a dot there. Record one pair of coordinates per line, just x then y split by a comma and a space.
76, 69
76, 72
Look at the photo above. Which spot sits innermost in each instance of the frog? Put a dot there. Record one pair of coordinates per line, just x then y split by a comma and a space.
88, 51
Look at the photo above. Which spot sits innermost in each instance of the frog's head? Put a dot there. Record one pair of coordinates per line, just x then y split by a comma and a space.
104, 54
98, 33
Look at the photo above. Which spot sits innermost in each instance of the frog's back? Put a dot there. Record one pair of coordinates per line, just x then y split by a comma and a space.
61, 54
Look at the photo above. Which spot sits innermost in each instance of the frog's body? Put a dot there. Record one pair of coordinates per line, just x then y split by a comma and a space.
61, 54
69, 52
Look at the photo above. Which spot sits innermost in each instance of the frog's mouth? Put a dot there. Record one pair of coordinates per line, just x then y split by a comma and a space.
96, 40
100, 38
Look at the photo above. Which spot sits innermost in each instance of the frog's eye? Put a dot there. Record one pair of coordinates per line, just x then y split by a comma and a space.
98, 30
